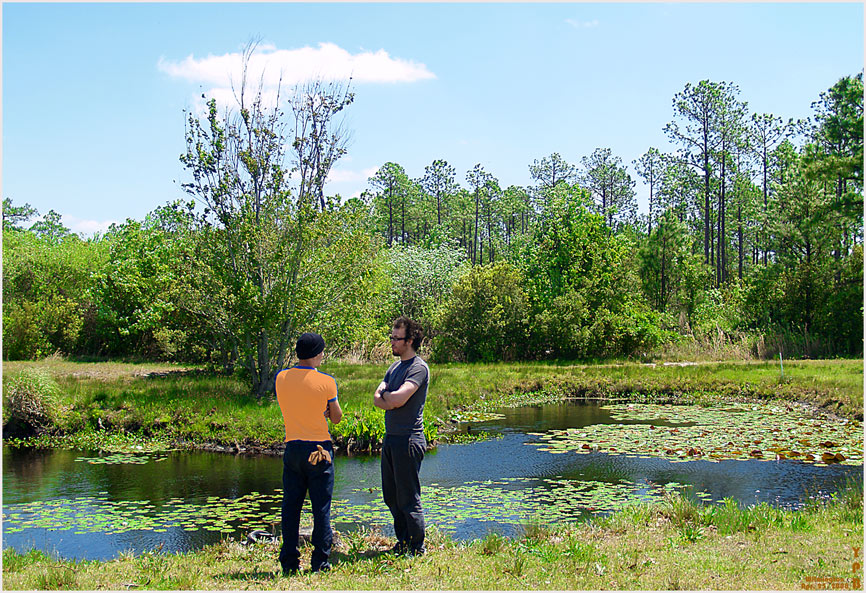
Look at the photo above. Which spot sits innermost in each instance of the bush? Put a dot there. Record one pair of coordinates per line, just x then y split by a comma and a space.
486, 318
30, 403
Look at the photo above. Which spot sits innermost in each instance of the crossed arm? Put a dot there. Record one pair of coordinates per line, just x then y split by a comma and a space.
334, 412
389, 400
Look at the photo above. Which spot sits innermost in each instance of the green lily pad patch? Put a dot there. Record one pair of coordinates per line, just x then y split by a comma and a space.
117, 458
747, 431
506, 500
475, 416
515, 501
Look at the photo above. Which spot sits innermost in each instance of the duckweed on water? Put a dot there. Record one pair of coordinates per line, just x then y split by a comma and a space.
737, 431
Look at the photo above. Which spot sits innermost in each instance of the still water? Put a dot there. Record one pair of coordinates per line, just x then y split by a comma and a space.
77, 505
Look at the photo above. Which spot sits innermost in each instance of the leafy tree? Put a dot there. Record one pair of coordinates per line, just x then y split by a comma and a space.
478, 180
552, 170
649, 167
395, 201
266, 264
836, 154
486, 318
697, 109
608, 180
421, 280
50, 227
548, 173
439, 182
47, 303
585, 301
516, 211
668, 269
15, 215
141, 288
679, 186
767, 132
732, 141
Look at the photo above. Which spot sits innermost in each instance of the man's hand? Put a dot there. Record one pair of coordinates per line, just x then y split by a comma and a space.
378, 400
390, 400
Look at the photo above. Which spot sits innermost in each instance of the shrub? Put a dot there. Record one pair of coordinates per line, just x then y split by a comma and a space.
486, 318
30, 403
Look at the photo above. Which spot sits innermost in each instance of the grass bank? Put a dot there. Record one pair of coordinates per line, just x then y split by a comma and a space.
116, 406
672, 544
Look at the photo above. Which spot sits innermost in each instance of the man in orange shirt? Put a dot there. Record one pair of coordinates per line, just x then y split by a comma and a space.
308, 399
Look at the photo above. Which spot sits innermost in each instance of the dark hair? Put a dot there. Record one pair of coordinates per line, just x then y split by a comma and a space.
413, 330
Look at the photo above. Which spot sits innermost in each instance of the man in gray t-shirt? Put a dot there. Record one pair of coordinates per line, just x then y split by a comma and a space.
402, 395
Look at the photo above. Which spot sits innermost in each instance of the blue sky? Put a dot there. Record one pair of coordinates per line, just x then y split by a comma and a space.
93, 94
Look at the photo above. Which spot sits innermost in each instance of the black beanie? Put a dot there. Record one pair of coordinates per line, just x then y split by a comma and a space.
309, 345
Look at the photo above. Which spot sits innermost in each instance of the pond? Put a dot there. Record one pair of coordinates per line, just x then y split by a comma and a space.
81, 504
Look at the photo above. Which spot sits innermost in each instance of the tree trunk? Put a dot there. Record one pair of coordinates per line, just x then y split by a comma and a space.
475, 238
740, 241
706, 200
664, 294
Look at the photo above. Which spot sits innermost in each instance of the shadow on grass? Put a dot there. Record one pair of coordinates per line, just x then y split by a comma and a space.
253, 575
353, 557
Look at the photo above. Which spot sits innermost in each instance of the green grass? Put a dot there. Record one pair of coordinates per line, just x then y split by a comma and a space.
672, 544
116, 406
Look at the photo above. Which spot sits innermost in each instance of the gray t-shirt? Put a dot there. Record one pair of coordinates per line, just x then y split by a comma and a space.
406, 419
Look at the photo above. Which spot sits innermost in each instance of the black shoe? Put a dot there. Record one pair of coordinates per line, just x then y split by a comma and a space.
290, 572
400, 548
324, 567
418, 550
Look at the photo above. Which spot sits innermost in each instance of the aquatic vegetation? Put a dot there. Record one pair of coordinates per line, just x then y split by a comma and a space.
118, 458
508, 500
513, 501
89, 514
470, 416
733, 431
464, 438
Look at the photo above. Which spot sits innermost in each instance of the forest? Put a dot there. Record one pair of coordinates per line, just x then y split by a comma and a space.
752, 245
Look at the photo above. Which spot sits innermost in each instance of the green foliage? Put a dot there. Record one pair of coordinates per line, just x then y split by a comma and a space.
753, 239
486, 318
421, 282
671, 275
141, 288
15, 215
582, 284
268, 265
841, 316
48, 305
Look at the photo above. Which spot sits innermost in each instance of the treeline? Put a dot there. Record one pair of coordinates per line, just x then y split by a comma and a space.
754, 230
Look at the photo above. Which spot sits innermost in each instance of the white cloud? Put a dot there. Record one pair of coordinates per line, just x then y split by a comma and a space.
328, 62
582, 24
86, 227
348, 176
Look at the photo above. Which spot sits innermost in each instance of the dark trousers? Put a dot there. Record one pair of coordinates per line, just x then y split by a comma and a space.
401, 488
299, 476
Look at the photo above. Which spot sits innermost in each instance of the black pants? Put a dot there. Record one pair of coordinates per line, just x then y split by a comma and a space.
401, 488
299, 476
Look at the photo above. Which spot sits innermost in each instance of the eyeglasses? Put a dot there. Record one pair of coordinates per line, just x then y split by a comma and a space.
397, 339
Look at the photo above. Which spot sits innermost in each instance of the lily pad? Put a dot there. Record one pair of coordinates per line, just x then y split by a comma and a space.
754, 431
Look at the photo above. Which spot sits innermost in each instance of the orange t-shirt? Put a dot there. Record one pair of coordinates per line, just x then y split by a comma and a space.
303, 394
